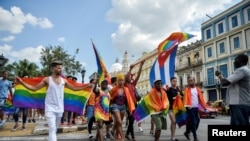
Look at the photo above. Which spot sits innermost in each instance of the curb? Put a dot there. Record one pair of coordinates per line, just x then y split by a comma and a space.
44, 130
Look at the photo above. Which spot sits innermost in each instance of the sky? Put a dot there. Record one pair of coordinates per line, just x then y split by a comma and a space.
115, 26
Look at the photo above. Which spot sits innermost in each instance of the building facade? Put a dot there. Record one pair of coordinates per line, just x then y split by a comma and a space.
223, 37
143, 83
189, 63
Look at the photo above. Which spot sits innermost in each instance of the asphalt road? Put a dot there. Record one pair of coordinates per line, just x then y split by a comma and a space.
140, 136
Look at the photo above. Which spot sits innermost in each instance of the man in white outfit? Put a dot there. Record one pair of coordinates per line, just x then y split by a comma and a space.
54, 101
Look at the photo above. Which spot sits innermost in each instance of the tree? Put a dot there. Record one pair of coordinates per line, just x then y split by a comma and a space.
24, 67
51, 53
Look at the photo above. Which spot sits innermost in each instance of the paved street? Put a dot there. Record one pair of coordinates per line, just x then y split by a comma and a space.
144, 136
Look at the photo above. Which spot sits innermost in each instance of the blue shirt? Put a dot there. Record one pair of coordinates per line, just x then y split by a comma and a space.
4, 88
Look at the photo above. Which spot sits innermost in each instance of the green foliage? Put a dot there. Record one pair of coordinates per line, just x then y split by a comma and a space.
24, 67
51, 53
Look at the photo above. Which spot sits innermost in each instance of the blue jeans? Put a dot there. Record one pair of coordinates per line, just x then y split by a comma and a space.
240, 114
24, 110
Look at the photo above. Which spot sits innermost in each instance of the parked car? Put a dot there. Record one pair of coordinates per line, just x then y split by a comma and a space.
211, 112
222, 108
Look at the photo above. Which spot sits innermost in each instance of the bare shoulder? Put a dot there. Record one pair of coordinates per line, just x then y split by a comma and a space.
46, 80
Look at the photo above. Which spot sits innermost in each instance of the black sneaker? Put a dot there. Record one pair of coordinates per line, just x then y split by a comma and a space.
33, 120
29, 121
15, 127
187, 135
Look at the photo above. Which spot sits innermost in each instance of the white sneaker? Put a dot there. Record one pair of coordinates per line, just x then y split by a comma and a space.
140, 129
90, 136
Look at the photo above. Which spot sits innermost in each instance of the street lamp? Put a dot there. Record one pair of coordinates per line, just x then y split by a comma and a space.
83, 71
2, 60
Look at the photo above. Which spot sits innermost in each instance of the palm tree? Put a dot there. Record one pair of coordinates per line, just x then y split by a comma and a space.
24, 67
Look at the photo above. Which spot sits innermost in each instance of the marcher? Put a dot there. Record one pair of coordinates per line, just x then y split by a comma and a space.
131, 85
192, 98
5, 89
172, 92
120, 99
90, 110
159, 98
54, 99
101, 108
238, 91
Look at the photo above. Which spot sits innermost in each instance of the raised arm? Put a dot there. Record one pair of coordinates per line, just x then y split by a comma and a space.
31, 87
139, 71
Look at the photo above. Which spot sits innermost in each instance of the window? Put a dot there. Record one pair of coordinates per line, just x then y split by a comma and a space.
220, 28
236, 42
209, 52
234, 21
208, 32
210, 76
222, 48
223, 69
248, 14
198, 78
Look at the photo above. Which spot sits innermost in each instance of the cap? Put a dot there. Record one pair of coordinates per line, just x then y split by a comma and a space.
157, 80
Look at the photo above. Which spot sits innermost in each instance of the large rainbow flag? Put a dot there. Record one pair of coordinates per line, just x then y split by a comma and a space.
74, 101
174, 39
101, 68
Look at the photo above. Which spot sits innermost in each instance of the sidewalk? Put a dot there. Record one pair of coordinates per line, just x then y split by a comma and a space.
39, 128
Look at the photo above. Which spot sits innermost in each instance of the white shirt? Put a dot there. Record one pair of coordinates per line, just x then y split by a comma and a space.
195, 101
54, 101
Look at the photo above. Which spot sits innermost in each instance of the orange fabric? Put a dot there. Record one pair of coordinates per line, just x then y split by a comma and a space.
131, 105
157, 103
92, 99
188, 97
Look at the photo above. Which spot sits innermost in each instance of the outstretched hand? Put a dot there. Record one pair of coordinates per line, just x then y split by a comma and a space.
18, 79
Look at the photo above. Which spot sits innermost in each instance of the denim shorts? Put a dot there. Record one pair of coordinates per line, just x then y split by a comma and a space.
116, 107
90, 112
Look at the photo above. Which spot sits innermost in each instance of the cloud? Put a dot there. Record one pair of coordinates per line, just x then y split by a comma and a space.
61, 39
30, 53
8, 39
14, 20
142, 25
5, 49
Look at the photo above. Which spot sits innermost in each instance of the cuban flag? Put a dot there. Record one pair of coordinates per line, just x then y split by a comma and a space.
164, 66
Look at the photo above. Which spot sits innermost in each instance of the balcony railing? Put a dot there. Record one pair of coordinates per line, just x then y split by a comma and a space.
188, 65
211, 82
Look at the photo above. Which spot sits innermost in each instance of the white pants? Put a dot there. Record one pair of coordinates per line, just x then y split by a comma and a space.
53, 120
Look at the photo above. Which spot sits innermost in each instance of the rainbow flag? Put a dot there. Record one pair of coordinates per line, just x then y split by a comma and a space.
101, 110
101, 68
147, 107
180, 111
74, 101
8, 106
174, 39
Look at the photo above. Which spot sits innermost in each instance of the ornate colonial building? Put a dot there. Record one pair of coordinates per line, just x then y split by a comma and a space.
223, 37
189, 63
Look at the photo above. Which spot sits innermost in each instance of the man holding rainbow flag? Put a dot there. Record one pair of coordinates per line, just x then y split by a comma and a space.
155, 103
54, 99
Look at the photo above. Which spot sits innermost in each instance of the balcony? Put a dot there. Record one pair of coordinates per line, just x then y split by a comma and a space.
187, 65
212, 83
